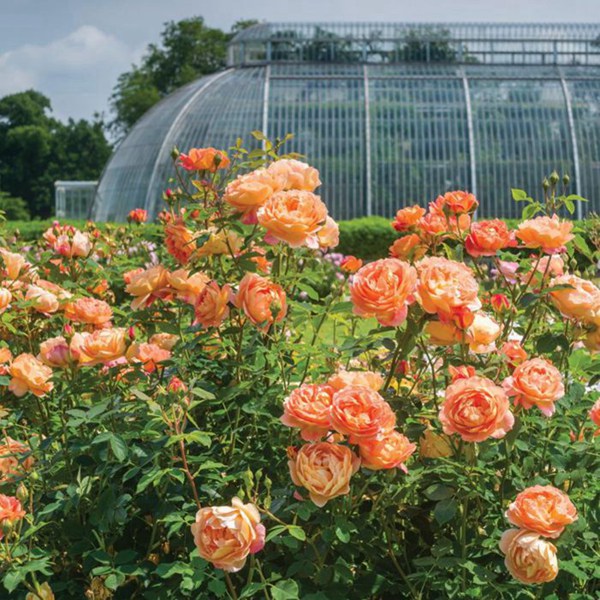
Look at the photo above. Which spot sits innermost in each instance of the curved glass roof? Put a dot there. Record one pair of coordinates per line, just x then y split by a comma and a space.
385, 134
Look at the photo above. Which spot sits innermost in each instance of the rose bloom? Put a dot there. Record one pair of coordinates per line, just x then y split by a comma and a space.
360, 413
262, 301
90, 311
29, 375
188, 287
204, 159
150, 355
137, 215
482, 334
344, 378
476, 409
529, 558
292, 174
13, 264
147, 285
434, 445
543, 509
436, 222
180, 241
101, 346
552, 264
387, 452
307, 408
15, 459
548, 233
383, 289
212, 307
458, 202
500, 303
324, 469
487, 237
329, 235
595, 413
580, 301
508, 270
408, 217
166, 341
226, 535
351, 264
443, 334
11, 511
514, 352
461, 372
536, 382
55, 352
408, 247
220, 241
446, 287
294, 217
42, 300
5, 298
249, 192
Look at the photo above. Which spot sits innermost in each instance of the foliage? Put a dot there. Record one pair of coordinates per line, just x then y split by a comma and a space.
14, 209
37, 149
125, 440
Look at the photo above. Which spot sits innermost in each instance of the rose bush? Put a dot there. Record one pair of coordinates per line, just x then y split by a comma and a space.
232, 410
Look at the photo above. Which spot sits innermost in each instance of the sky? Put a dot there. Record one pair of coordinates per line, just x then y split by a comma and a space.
74, 50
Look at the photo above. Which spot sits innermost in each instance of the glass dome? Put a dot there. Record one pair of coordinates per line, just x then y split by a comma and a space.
390, 114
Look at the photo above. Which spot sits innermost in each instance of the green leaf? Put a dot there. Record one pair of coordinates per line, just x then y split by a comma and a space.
519, 195
445, 510
297, 532
119, 447
438, 491
285, 590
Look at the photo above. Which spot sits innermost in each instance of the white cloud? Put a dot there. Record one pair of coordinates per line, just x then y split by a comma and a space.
77, 72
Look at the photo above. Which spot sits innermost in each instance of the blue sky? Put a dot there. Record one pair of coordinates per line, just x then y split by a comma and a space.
74, 50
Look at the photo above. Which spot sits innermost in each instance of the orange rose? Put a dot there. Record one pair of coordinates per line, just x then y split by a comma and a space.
384, 289
487, 237
324, 469
458, 202
408, 217
137, 215
11, 511
188, 287
41, 300
150, 355
102, 346
204, 159
529, 558
408, 247
542, 509
13, 264
436, 223
180, 241
147, 285
212, 307
344, 378
292, 174
446, 287
595, 413
55, 352
514, 352
461, 372
29, 375
5, 298
294, 217
249, 192
548, 233
307, 408
226, 535
580, 301
552, 265
360, 413
329, 234
443, 334
166, 341
351, 264
220, 241
476, 409
91, 311
482, 334
434, 445
536, 382
15, 459
388, 452
262, 301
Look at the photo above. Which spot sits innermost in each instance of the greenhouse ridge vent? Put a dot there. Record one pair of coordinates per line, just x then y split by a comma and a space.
390, 113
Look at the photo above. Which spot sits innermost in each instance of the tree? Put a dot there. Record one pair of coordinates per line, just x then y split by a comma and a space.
188, 49
37, 149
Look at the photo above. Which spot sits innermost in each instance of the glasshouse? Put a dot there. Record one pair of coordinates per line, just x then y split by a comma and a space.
391, 114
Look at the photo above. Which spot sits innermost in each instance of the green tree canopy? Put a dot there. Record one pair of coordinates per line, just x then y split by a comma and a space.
188, 49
